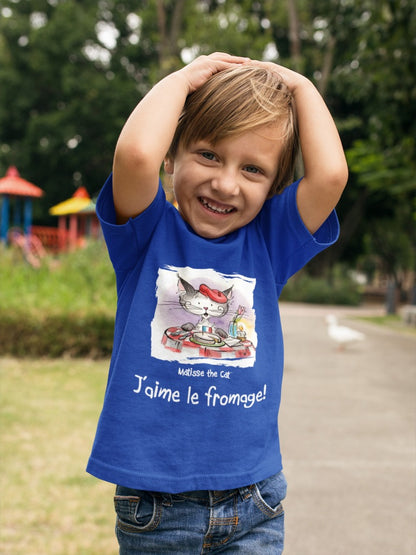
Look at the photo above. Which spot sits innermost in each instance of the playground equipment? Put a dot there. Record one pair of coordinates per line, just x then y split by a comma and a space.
77, 219
16, 227
30, 245
16, 196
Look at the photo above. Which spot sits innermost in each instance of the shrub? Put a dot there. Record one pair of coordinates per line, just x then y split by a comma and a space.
80, 281
339, 289
25, 335
66, 307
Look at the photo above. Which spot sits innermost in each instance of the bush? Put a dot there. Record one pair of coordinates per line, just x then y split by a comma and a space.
66, 307
56, 335
80, 281
339, 289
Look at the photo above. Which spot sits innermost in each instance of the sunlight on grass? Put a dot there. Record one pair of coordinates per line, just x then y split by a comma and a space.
391, 321
81, 281
48, 504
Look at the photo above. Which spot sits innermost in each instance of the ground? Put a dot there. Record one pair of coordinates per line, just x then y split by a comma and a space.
348, 437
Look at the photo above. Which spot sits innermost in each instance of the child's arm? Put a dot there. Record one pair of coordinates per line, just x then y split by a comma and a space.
148, 132
325, 167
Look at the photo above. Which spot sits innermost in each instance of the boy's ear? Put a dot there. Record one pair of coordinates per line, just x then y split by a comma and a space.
168, 165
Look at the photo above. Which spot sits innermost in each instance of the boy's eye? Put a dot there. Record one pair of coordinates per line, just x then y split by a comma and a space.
208, 155
252, 169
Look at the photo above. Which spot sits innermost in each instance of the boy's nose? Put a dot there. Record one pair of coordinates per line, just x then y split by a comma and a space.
225, 183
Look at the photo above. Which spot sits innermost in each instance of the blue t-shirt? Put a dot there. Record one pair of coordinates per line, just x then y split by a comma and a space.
194, 384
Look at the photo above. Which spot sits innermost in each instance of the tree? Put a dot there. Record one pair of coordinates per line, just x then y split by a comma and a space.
362, 57
60, 112
72, 71
380, 86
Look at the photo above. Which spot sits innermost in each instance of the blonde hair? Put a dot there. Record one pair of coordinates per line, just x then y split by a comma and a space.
237, 100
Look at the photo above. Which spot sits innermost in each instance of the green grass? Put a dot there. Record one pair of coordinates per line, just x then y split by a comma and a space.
78, 282
392, 321
65, 307
48, 504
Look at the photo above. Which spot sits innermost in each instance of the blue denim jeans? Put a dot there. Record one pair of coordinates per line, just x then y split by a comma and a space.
248, 520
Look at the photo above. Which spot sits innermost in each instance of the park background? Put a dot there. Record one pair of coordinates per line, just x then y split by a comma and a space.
70, 73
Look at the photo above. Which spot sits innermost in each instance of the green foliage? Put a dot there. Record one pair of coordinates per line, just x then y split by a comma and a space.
377, 84
339, 289
71, 72
66, 307
60, 113
57, 335
393, 167
81, 281
229, 26
389, 250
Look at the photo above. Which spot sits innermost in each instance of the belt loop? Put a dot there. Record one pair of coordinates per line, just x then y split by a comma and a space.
245, 492
167, 500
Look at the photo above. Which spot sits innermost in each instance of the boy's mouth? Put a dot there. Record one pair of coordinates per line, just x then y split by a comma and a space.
215, 207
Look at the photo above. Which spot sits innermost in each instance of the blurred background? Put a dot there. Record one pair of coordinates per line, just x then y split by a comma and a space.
70, 74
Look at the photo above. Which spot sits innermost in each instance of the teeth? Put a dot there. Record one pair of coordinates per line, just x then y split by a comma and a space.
215, 208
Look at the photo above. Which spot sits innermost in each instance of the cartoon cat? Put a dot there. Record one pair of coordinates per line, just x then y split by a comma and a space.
203, 339
206, 303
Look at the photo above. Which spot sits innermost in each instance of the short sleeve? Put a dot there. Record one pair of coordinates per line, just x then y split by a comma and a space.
288, 240
125, 242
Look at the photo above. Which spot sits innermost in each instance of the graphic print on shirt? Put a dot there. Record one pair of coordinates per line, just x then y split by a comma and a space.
203, 316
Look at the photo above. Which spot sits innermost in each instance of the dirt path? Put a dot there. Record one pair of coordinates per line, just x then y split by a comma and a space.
348, 437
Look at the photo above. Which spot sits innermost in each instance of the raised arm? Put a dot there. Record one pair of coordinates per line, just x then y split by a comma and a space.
148, 132
325, 167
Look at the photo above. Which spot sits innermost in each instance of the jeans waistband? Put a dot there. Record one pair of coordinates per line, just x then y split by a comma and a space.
207, 497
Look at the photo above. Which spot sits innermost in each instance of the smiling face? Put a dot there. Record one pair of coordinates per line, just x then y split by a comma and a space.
233, 102
220, 188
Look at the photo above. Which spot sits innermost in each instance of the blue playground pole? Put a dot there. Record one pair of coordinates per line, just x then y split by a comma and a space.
27, 218
4, 223
17, 216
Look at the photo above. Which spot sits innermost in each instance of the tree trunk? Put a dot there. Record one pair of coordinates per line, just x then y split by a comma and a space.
321, 264
294, 35
327, 65
170, 27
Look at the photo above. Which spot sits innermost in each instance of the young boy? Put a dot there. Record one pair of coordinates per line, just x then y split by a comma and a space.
188, 429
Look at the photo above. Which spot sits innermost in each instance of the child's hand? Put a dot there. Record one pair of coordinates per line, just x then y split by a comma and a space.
200, 70
148, 132
325, 168
291, 78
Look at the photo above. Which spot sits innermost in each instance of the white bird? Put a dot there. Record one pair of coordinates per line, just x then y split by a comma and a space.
342, 335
